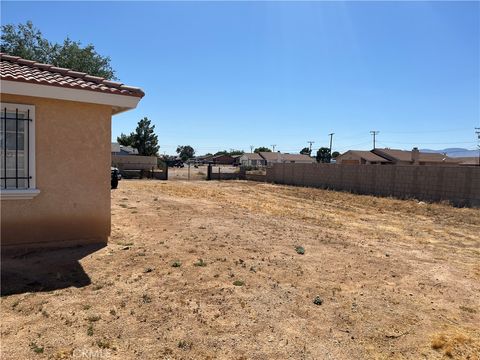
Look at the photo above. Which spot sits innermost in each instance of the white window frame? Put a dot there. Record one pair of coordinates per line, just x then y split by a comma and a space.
32, 191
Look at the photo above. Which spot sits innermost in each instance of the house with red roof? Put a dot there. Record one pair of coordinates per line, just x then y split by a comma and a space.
51, 196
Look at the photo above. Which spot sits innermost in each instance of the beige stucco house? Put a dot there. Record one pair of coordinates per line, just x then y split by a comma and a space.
55, 153
278, 157
357, 157
414, 157
252, 159
394, 157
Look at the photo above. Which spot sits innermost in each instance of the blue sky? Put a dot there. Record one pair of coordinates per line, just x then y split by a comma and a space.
221, 75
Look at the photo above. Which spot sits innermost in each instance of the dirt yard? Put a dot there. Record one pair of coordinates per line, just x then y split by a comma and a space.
205, 270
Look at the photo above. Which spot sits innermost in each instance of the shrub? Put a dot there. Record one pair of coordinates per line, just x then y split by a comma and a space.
200, 262
36, 349
300, 250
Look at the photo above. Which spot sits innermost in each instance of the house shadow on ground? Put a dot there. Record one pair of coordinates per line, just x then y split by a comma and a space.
44, 270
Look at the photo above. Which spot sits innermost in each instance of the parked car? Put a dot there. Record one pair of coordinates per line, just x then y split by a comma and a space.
116, 177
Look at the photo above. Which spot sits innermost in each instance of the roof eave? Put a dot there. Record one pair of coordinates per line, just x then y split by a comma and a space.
119, 103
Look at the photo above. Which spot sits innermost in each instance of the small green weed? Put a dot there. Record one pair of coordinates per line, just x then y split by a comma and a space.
90, 330
318, 300
200, 262
36, 349
93, 318
300, 250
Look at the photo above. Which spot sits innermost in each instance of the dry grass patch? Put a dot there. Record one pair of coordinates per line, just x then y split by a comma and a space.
456, 344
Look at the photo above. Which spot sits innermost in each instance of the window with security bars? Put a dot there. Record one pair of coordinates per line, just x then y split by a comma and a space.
15, 153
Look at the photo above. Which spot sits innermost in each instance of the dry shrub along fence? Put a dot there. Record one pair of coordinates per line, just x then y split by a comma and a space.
235, 173
456, 184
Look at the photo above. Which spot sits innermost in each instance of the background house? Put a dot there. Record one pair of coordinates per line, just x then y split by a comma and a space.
278, 157
50, 195
236, 160
357, 157
414, 157
469, 161
127, 160
118, 149
222, 160
252, 159
395, 157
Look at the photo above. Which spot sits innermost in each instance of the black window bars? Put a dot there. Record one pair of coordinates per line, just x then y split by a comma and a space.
10, 126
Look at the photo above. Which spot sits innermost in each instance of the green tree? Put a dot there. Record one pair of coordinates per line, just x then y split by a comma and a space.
185, 152
262, 149
231, 153
126, 140
335, 154
143, 139
306, 151
323, 155
26, 41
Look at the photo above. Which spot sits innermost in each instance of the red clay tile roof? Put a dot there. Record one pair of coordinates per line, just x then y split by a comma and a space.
14, 68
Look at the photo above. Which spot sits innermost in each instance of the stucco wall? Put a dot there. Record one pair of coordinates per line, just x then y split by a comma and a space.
459, 185
72, 173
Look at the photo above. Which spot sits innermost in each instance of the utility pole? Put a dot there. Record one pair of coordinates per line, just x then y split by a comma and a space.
273, 147
477, 131
374, 133
251, 148
310, 142
331, 138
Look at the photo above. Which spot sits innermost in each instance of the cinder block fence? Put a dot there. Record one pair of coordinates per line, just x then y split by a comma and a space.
456, 184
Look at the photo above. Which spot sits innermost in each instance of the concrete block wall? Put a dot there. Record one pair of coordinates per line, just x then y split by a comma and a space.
457, 184
134, 162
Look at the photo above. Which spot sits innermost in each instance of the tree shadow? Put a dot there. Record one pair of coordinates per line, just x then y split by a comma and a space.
44, 270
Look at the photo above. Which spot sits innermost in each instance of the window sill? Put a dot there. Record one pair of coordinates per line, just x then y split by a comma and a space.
18, 194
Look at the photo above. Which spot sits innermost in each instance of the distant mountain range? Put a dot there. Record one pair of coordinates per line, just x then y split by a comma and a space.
454, 152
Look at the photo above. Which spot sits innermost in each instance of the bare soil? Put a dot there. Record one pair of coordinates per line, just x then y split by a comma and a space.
379, 279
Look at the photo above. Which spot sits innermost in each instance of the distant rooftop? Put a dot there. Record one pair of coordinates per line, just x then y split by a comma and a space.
405, 155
